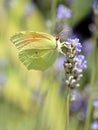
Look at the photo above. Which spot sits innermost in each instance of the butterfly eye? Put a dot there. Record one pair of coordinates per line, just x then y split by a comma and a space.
57, 38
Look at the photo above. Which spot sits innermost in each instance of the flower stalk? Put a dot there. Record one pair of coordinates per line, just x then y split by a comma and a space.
74, 64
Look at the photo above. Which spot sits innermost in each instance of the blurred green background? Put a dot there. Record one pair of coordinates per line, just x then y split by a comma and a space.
34, 100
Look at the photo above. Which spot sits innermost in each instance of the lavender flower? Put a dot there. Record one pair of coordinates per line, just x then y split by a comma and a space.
78, 105
59, 63
77, 102
63, 12
74, 43
80, 63
94, 125
95, 109
95, 103
95, 7
74, 63
87, 46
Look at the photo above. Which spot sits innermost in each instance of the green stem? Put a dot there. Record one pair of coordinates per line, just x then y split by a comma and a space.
87, 123
96, 45
67, 108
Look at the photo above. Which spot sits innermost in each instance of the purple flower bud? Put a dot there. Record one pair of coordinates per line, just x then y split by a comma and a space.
78, 45
87, 46
95, 6
59, 63
95, 103
63, 12
74, 63
75, 42
81, 63
80, 58
94, 125
76, 104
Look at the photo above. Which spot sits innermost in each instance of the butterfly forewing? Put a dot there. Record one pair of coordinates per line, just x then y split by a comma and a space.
34, 40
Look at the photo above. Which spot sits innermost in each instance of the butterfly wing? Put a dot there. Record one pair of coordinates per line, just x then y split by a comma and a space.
35, 40
37, 50
38, 59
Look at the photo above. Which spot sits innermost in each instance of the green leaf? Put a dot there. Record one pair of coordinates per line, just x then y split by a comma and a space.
80, 8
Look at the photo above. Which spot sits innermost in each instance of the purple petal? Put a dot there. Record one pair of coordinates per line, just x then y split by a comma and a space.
95, 6
95, 103
94, 125
63, 12
59, 63
81, 63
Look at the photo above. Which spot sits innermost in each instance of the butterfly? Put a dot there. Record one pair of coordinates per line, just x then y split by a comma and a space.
37, 50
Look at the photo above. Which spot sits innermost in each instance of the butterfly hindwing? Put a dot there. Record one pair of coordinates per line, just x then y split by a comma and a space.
38, 60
